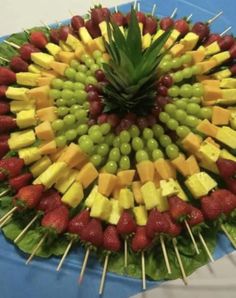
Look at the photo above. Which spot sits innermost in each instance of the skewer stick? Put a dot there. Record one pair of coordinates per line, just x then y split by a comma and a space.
6, 220
6, 60
6, 191
45, 25
214, 18
174, 13
143, 270
36, 248
64, 255
138, 6
104, 274
84, 265
7, 214
174, 241
189, 17
228, 236
125, 253
163, 247
22, 233
116, 9
135, 4
12, 44
154, 8
192, 237
205, 247
226, 30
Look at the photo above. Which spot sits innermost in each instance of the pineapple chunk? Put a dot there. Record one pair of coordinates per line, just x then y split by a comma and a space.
91, 197
42, 59
29, 155
17, 93
140, 214
209, 152
17, 106
115, 213
101, 207
74, 195
84, 35
168, 187
150, 195
53, 48
126, 198
40, 166
162, 204
73, 42
225, 154
27, 78
26, 118
21, 139
34, 68
227, 136
65, 181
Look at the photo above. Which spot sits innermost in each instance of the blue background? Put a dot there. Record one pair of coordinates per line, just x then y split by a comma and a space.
40, 278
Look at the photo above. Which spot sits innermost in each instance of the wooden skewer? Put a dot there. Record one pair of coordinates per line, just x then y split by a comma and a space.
205, 247
22, 233
84, 265
192, 237
226, 30
174, 13
135, 4
36, 248
174, 241
6, 220
7, 214
228, 236
104, 274
154, 8
65, 255
116, 9
163, 247
189, 17
143, 270
6, 191
6, 60
12, 44
45, 25
138, 6
210, 21
125, 253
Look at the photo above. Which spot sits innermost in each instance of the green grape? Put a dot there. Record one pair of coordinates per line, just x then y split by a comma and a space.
87, 146
180, 115
80, 77
90, 80
86, 105
69, 119
96, 160
80, 96
100, 61
166, 65
181, 104
125, 148
182, 131
137, 143
114, 154
54, 93
187, 72
83, 139
70, 73
93, 128
176, 63
157, 130
62, 111
205, 113
173, 91
109, 138
79, 86
196, 69
191, 121
172, 151
157, 154
96, 136
68, 85
105, 128
57, 83
141, 155
116, 142
124, 136
88, 74
71, 102
178, 76
152, 144
103, 149
97, 54
167, 57
74, 64
197, 90
164, 117
57, 124
89, 62
195, 99
60, 141
172, 124
82, 129
74, 108
82, 68
165, 140
111, 167
134, 131
186, 59
124, 163
71, 134
170, 108
147, 133
61, 102
81, 114
193, 109
186, 90
94, 68
85, 57
67, 94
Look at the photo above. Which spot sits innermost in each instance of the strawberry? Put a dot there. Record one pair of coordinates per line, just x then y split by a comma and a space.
29, 195
232, 51
77, 22
93, 233
7, 123
56, 219
79, 222
182, 26
226, 167
212, 38
4, 148
20, 181
126, 224
10, 167
17, 64
174, 227
226, 42
178, 208
226, 199
4, 107
210, 208
50, 200
166, 23
4, 137
150, 25
3, 90
106, 13
195, 216
54, 36
26, 50
201, 29
7, 76
64, 31
231, 184
118, 18
93, 29
99, 14
156, 223
140, 240
38, 39
111, 240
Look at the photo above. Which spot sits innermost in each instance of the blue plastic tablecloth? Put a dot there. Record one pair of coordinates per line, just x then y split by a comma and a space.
40, 278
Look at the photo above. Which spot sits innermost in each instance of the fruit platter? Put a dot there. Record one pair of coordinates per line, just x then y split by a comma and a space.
118, 143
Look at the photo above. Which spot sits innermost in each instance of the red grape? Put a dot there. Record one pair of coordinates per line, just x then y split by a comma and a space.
93, 96
201, 29
64, 31
113, 119
100, 76
95, 108
167, 81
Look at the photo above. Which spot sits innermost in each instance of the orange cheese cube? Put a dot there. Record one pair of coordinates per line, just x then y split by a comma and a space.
191, 142
116, 190
192, 165
59, 67
47, 114
165, 169
44, 131
73, 155
87, 174
212, 93
145, 170
220, 116
207, 128
106, 183
48, 148
126, 177
136, 189
180, 165
197, 55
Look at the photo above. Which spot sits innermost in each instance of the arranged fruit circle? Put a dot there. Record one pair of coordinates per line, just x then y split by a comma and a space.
117, 133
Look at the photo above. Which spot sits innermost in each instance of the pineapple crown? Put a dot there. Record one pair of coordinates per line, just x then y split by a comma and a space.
131, 71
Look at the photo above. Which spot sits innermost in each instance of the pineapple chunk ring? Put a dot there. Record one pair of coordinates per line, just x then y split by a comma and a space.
91, 197
126, 198
150, 195
115, 213
101, 207
74, 195
140, 214
26, 118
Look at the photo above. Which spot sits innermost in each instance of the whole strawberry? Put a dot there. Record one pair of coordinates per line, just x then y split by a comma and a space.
126, 224
51, 199
3, 90
93, 233
38, 39
140, 241
174, 227
93, 28
17, 64
4, 148
7, 76
79, 222
226, 167
231, 184
4, 107
111, 240
211, 208
226, 199
20, 181
10, 167
26, 50
57, 219
29, 196
7, 124
150, 25
195, 216
118, 18
178, 208
156, 223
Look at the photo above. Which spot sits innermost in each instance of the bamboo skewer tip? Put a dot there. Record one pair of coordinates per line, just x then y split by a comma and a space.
86, 256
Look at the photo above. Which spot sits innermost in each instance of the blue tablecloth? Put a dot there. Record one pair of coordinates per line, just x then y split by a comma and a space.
40, 278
